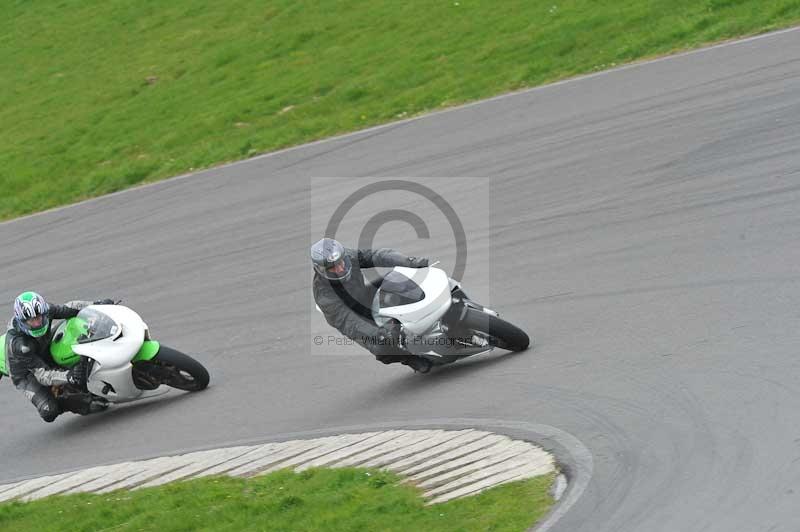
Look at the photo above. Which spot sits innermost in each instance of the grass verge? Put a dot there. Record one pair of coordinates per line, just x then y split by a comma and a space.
319, 499
99, 95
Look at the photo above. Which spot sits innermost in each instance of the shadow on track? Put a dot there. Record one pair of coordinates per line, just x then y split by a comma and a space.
104, 421
412, 383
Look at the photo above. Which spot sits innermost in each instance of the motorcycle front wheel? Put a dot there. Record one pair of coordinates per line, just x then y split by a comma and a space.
497, 331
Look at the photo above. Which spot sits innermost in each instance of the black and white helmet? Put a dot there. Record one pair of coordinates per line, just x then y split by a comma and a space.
330, 260
31, 313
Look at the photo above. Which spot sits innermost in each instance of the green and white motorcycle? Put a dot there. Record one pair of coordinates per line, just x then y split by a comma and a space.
128, 365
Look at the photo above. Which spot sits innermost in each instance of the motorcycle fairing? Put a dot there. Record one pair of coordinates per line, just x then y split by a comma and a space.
422, 315
3, 370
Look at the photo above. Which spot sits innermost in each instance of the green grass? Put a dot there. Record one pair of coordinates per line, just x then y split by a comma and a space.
322, 499
99, 95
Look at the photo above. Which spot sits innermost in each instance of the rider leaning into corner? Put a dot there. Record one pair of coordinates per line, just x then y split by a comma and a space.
345, 298
28, 359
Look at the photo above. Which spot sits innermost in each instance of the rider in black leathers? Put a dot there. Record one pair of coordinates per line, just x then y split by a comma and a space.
345, 297
30, 366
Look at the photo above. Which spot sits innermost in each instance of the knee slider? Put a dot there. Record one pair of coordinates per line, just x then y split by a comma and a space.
46, 406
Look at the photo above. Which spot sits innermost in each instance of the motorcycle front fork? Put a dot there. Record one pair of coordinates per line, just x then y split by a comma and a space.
459, 296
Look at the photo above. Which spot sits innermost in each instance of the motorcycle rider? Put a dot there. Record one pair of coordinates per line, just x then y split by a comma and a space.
28, 357
345, 298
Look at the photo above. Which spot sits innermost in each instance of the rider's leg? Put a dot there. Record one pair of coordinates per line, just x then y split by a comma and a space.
42, 398
388, 354
393, 355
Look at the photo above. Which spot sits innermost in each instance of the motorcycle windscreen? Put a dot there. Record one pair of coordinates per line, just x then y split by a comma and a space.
397, 290
94, 325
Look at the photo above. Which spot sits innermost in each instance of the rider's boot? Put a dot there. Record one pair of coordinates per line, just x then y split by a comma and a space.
83, 403
418, 364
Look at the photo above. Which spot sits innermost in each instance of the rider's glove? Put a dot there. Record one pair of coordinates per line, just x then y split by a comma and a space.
417, 262
77, 375
390, 334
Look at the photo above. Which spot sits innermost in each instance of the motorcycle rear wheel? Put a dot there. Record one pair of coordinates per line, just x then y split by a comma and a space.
172, 368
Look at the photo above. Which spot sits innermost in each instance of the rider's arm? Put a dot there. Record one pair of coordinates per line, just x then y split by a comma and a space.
353, 326
344, 319
52, 377
25, 364
21, 363
386, 258
68, 310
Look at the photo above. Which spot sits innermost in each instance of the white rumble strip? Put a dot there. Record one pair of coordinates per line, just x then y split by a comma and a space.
445, 464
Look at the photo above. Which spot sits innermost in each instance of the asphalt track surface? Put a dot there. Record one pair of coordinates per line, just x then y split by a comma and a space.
644, 227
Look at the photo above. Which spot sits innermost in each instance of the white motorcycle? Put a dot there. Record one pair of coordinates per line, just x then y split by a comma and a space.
127, 365
439, 322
